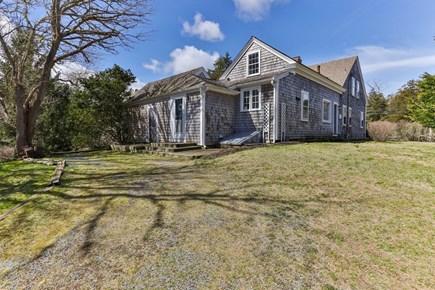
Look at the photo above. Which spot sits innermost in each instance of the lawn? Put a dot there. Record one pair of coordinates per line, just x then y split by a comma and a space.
318, 215
20, 180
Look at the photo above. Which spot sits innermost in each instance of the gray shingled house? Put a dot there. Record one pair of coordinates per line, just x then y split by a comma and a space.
264, 96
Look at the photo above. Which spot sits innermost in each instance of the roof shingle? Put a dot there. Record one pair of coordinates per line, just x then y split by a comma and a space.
336, 70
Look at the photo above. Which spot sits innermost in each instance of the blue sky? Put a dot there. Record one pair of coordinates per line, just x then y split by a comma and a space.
394, 38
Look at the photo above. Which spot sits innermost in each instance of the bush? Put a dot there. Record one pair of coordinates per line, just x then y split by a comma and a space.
7, 153
381, 131
409, 131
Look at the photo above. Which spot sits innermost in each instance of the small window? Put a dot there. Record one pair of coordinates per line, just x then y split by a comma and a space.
327, 110
250, 99
350, 117
358, 89
344, 115
305, 106
254, 63
353, 86
361, 120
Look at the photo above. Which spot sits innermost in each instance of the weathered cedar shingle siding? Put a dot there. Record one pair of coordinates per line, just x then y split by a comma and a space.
354, 131
220, 116
290, 89
139, 124
253, 120
193, 118
268, 63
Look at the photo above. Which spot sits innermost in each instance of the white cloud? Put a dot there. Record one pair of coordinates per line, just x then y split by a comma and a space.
253, 10
137, 85
69, 70
183, 59
206, 30
394, 66
378, 58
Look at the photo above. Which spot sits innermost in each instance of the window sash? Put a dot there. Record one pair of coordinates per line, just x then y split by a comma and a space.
326, 112
353, 86
250, 99
362, 120
344, 115
253, 63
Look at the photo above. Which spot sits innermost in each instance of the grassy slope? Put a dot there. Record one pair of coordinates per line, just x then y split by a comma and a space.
347, 215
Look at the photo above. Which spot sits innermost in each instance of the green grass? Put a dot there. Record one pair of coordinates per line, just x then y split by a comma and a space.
20, 180
318, 215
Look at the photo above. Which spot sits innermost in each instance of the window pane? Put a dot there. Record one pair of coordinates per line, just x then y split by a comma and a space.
253, 63
305, 109
246, 100
326, 109
255, 99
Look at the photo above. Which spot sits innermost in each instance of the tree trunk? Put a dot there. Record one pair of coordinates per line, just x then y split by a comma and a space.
20, 120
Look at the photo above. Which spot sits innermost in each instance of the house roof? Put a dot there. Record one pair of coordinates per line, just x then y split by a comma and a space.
178, 83
336, 70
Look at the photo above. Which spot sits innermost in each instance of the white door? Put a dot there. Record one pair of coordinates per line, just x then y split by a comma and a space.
178, 119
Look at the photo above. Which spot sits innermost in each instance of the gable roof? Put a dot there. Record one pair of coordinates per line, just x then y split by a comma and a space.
252, 40
177, 83
336, 70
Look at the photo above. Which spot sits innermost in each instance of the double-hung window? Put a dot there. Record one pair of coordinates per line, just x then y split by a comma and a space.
361, 120
250, 99
253, 63
305, 105
327, 111
350, 117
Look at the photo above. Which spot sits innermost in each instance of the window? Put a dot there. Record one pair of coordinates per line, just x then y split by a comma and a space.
344, 115
353, 86
361, 120
305, 106
350, 117
254, 63
358, 89
327, 109
250, 99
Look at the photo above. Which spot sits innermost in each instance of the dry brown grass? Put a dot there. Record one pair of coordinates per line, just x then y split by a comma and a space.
300, 216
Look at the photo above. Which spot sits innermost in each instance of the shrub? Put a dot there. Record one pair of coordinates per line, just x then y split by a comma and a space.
7, 153
409, 131
381, 131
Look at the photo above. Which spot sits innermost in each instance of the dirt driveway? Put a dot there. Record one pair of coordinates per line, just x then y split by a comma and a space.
132, 221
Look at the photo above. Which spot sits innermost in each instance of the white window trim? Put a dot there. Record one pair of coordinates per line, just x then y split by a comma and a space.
344, 113
361, 120
353, 86
303, 94
247, 63
250, 99
350, 117
329, 120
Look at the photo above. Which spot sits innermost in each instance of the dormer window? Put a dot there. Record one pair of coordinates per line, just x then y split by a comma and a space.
254, 63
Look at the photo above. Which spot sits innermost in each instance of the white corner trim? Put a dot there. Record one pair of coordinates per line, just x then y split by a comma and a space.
203, 92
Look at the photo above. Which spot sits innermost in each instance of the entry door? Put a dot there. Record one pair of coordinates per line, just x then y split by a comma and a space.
178, 120
335, 120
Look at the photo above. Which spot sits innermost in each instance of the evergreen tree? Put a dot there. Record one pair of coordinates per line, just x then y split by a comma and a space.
220, 65
376, 105
422, 110
398, 105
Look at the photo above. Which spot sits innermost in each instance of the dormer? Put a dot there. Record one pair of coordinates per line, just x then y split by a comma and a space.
256, 58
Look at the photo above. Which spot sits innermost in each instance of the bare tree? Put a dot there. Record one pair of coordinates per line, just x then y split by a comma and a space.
38, 34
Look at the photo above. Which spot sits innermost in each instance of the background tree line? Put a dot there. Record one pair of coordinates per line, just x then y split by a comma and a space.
404, 114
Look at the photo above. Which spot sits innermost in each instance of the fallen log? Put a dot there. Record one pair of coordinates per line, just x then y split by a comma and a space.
55, 178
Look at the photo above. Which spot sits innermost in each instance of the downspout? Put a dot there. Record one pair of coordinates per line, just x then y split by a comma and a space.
275, 84
202, 91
